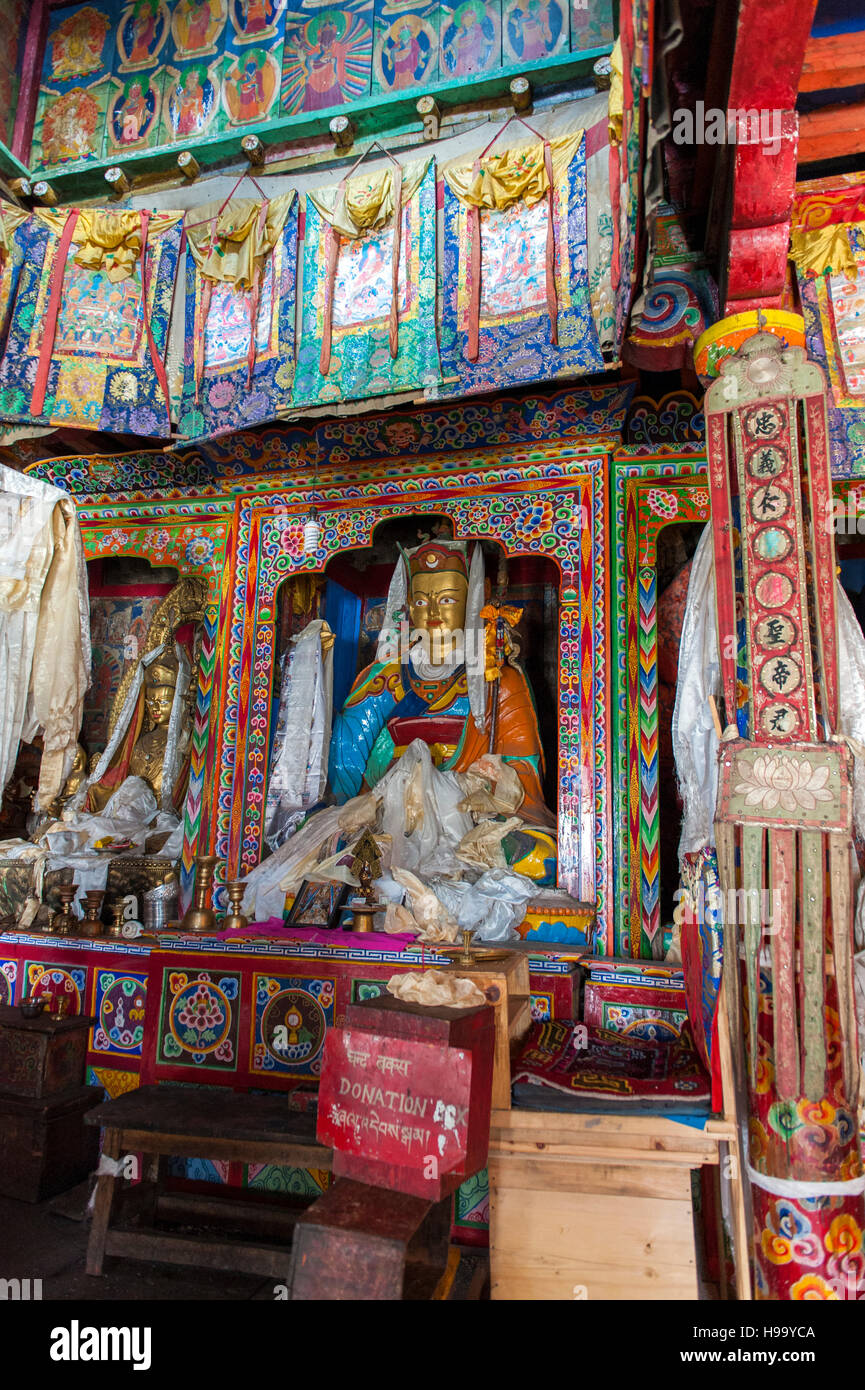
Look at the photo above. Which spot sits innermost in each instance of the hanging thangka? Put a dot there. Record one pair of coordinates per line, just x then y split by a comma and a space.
368, 311
827, 246
87, 341
240, 272
12, 231
516, 304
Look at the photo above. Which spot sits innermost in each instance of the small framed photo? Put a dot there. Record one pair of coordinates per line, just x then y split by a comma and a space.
317, 904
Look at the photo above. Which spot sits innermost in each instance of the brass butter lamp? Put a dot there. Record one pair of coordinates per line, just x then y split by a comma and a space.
234, 919
200, 919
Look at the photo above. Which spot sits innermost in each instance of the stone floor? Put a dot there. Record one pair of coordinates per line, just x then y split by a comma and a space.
48, 1241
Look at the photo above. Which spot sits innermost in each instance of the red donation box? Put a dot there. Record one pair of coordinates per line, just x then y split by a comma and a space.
405, 1095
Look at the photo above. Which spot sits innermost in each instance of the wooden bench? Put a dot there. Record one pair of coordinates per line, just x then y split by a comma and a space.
158, 1122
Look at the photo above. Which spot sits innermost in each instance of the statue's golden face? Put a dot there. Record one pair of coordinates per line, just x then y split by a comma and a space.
438, 602
159, 699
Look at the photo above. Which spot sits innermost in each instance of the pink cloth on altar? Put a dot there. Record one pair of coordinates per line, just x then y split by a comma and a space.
321, 936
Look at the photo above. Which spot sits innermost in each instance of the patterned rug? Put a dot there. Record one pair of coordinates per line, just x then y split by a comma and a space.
574, 1066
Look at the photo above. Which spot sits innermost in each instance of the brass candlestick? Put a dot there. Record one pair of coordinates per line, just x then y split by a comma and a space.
200, 918
234, 918
92, 923
65, 922
468, 955
116, 928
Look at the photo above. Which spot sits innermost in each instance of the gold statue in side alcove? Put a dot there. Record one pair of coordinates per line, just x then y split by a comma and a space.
151, 715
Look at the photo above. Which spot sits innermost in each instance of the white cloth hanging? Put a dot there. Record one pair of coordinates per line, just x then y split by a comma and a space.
44, 627
695, 739
298, 775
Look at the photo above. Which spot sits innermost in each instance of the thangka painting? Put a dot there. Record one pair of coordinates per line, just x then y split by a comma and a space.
591, 24
229, 383
470, 38
12, 241
530, 316
75, 87
406, 45
828, 247
533, 30
327, 56
358, 337
252, 65
87, 340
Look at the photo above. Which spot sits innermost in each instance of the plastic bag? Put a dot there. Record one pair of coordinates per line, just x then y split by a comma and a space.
434, 920
420, 811
398, 920
496, 903
492, 787
482, 846
127, 815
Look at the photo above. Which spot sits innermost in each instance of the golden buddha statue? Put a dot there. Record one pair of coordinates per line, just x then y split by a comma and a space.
138, 726
148, 754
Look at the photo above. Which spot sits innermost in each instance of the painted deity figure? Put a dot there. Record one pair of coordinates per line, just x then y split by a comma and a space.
198, 23
76, 45
188, 104
468, 48
145, 23
431, 691
69, 127
530, 30
134, 115
251, 90
405, 55
150, 721
325, 67
256, 15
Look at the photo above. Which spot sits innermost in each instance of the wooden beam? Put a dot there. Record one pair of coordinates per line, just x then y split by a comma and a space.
835, 61
393, 112
770, 46
832, 131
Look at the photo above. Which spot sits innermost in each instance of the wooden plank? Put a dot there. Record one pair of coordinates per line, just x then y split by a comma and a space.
837, 60
740, 1191
106, 1186
655, 1158
181, 1145
204, 1252
550, 1244
832, 131
666, 1182
227, 1114
391, 111
260, 1218
691, 1142
539, 1123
